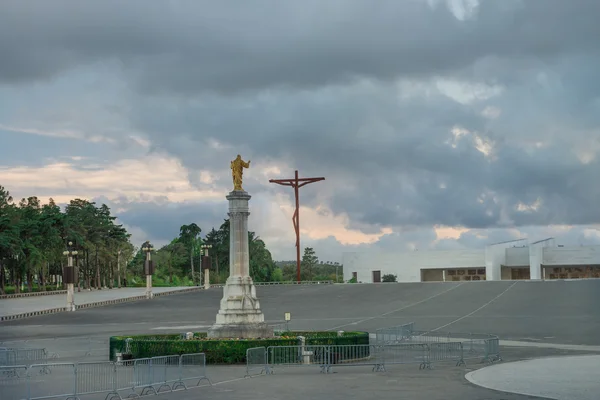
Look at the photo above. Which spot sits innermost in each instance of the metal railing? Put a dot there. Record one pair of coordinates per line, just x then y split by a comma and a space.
256, 361
394, 334
66, 348
21, 356
69, 381
482, 346
377, 356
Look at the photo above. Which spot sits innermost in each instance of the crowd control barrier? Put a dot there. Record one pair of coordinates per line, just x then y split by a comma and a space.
114, 380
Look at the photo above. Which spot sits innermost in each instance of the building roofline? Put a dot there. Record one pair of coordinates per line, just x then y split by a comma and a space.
543, 240
507, 241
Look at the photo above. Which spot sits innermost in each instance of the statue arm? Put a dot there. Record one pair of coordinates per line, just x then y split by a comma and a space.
246, 164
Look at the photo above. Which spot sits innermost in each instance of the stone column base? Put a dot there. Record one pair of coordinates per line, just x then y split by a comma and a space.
240, 315
241, 331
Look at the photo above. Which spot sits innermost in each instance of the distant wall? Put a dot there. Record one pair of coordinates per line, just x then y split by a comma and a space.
581, 255
517, 257
497, 260
407, 265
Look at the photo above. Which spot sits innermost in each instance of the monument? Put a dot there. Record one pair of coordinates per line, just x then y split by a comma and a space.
239, 315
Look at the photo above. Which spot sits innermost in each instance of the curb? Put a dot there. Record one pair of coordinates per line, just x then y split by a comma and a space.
17, 295
94, 304
33, 314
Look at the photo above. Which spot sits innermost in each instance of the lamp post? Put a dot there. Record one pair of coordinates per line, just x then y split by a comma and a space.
148, 267
205, 248
69, 276
119, 268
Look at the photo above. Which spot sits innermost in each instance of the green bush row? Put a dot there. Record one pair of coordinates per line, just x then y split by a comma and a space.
222, 351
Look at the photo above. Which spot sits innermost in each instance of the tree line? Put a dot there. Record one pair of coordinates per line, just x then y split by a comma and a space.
33, 237
311, 269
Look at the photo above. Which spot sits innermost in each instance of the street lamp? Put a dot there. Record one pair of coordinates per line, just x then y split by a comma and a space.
206, 265
119, 268
148, 267
69, 276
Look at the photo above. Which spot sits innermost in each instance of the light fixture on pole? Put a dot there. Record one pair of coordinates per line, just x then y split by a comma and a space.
206, 264
148, 267
119, 268
69, 276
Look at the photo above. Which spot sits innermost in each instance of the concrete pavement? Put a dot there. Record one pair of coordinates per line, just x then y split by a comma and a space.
41, 304
560, 378
534, 318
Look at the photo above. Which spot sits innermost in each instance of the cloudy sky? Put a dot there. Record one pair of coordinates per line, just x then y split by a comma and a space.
437, 124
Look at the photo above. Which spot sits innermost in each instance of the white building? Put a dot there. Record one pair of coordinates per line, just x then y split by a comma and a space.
512, 260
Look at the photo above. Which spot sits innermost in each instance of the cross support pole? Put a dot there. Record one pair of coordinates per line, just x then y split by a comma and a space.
296, 183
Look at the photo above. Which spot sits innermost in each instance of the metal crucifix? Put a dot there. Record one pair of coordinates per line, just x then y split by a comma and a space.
296, 183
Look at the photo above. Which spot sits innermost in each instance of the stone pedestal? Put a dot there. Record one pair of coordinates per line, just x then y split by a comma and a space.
240, 315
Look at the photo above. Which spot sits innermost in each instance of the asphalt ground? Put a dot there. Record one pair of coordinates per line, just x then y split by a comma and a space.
560, 312
22, 305
554, 312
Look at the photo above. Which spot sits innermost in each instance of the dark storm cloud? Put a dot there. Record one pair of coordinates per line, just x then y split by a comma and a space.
311, 84
190, 46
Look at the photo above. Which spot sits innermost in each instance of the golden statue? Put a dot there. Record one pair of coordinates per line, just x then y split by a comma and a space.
237, 170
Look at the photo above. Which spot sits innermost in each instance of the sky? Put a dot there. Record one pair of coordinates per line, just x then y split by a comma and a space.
438, 124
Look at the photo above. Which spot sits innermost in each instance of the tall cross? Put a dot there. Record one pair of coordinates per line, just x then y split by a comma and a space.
296, 183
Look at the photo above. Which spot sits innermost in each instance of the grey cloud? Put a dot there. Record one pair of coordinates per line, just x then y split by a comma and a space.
195, 46
295, 94
162, 220
394, 176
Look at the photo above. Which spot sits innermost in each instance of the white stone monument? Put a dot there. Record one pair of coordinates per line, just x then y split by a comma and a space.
240, 315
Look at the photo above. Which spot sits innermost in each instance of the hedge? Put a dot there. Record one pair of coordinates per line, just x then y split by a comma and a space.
222, 351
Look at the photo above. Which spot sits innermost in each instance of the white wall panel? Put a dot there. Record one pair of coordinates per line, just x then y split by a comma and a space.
581, 255
407, 265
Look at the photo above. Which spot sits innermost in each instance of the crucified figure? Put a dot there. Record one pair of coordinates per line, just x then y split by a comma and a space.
237, 170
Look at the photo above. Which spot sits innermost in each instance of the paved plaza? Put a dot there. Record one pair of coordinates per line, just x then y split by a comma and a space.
22, 305
533, 319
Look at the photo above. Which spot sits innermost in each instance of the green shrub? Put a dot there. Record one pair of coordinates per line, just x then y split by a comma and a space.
222, 351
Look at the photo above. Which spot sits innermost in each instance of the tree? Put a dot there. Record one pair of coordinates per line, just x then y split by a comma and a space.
188, 234
33, 237
261, 262
309, 261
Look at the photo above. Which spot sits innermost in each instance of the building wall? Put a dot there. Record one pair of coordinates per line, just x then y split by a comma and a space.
407, 265
581, 255
497, 260
516, 257
495, 257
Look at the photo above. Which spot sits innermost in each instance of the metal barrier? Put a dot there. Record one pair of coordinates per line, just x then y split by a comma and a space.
394, 334
72, 348
50, 381
325, 356
7, 357
256, 360
193, 367
492, 350
295, 356
281, 327
13, 382
20, 356
353, 355
447, 351
404, 353
93, 378
476, 346
68, 381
